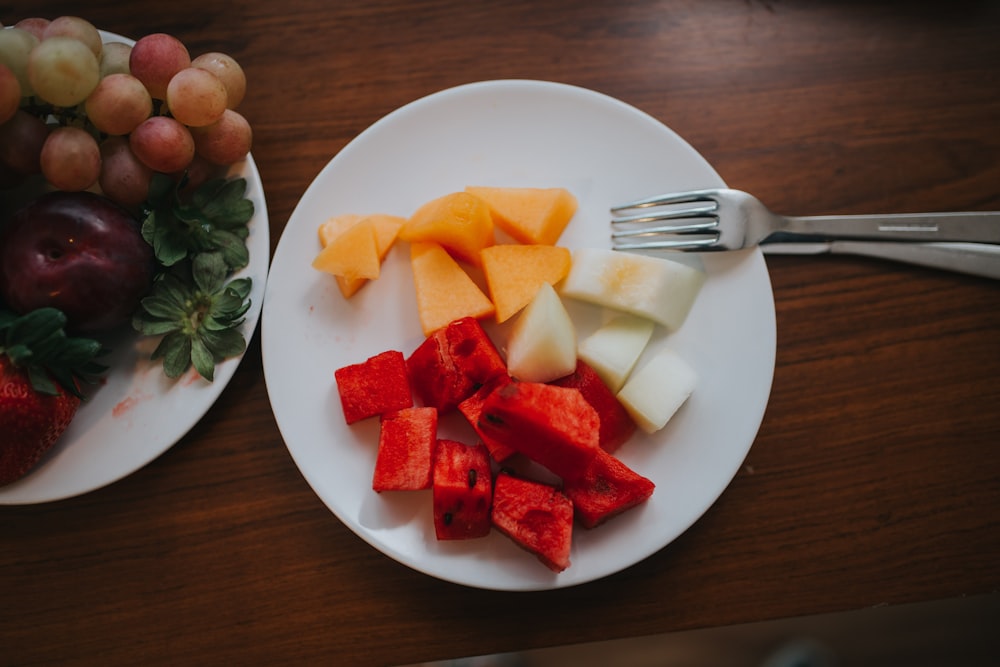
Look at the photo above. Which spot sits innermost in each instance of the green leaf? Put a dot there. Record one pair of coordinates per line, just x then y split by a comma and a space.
209, 271
175, 350
224, 343
155, 327
162, 306
234, 249
202, 358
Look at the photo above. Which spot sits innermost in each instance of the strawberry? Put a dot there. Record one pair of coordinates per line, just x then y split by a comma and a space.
40, 374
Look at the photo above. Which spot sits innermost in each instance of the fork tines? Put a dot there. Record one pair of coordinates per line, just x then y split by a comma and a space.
693, 227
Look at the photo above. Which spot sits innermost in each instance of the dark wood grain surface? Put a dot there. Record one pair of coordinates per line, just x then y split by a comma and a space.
875, 477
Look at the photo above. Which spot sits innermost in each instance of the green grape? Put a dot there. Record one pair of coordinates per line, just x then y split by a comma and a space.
63, 71
16, 46
114, 58
76, 28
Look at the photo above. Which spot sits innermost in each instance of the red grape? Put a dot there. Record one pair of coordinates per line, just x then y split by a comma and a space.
155, 59
225, 141
70, 159
162, 144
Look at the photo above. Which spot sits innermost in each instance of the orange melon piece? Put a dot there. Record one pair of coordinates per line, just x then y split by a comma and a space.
336, 226
445, 292
529, 215
386, 228
459, 222
515, 272
352, 254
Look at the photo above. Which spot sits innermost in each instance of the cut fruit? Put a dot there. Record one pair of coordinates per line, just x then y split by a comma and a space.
608, 488
529, 215
335, 226
553, 426
472, 407
353, 254
541, 345
617, 426
405, 459
614, 348
373, 387
463, 491
536, 516
515, 272
459, 222
445, 292
386, 228
659, 289
452, 363
657, 389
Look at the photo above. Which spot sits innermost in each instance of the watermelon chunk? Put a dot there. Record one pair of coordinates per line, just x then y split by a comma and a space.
406, 441
373, 387
608, 488
553, 426
617, 425
463, 489
472, 407
452, 363
538, 517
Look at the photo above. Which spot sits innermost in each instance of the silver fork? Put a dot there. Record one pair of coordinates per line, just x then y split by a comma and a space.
724, 219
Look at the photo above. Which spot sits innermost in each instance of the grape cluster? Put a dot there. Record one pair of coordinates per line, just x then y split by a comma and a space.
91, 115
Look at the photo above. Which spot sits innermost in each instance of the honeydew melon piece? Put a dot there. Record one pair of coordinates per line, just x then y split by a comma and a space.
662, 290
614, 348
542, 342
657, 389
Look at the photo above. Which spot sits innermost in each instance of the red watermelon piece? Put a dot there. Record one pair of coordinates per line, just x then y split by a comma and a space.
472, 407
463, 490
373, 387
617, 426
452, 363
554, 426
406, 442
536, 516
607, 488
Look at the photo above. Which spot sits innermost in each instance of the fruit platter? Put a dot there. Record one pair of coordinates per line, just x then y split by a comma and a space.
373, 375
113, 151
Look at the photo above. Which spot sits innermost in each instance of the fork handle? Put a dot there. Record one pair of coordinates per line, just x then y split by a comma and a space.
972, 227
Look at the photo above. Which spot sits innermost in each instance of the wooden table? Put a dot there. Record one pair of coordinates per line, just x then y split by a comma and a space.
874, 477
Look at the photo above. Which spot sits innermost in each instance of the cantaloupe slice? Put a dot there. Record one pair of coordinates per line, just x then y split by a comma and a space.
515, 272
445, 292
459, 222
353, 254
386, 228
529, 215
335, 226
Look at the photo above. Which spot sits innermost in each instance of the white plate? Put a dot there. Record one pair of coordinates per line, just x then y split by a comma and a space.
138, 413
508, 133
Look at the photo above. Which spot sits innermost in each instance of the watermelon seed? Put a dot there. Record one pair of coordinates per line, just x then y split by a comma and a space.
472, 477
447, 518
